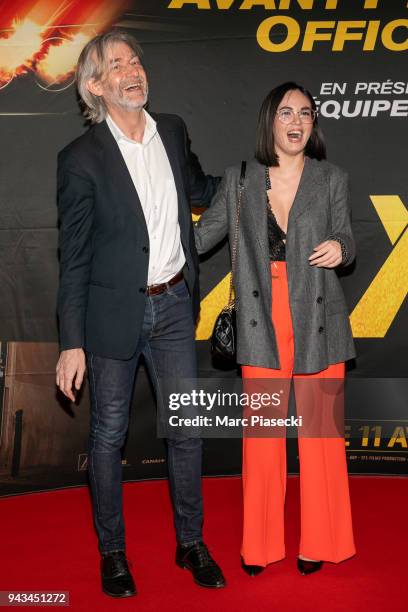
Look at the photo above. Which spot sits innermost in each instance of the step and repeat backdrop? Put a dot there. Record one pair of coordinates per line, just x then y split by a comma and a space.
212, 62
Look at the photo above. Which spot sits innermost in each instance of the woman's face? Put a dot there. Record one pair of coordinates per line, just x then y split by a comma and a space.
292, 127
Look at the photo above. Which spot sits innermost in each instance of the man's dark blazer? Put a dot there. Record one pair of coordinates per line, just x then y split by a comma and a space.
104, 243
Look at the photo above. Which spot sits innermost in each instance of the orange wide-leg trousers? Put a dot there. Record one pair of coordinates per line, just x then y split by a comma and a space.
326, 526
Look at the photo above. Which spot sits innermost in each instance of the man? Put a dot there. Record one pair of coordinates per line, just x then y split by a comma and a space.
128, 287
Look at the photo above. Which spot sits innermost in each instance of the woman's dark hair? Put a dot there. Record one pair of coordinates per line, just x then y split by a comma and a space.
265, 143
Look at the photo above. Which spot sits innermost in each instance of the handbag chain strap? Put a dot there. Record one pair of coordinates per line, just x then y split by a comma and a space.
231, 301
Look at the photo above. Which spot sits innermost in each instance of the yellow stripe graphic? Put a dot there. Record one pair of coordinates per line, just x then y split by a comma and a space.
393, 215
211, 307
378, 307
374, 313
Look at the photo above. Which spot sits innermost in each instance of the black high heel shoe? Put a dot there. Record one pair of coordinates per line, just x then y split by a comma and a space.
308, 567
252, 570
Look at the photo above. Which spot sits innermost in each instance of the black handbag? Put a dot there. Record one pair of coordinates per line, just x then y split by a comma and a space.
224, 335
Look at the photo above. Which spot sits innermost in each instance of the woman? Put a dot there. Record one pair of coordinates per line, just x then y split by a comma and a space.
292, 320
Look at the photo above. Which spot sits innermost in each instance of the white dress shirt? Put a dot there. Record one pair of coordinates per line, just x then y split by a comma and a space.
151, 173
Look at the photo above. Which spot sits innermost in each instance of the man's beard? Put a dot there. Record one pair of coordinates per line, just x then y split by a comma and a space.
127, 104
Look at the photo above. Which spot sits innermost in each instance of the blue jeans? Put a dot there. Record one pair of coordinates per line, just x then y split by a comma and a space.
167, 343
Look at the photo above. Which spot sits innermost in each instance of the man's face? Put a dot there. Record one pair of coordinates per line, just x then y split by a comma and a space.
124, 82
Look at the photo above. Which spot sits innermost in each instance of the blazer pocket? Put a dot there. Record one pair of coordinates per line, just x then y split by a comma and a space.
96, 283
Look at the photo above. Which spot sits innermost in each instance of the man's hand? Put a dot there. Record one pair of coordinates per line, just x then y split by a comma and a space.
70, 366
327, 254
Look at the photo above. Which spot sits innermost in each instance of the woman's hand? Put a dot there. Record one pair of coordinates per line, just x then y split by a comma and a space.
327, 254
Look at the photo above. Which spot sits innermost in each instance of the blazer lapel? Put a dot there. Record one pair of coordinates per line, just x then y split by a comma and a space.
116, 166
254, 205
309, 181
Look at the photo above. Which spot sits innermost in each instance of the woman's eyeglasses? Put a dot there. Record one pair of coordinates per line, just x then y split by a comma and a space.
287, 115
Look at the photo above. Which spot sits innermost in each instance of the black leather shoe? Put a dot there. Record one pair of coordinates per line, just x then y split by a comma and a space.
308, 567
251, 570
198, 560
117, 580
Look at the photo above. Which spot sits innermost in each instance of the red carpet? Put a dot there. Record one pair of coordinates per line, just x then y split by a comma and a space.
48, 543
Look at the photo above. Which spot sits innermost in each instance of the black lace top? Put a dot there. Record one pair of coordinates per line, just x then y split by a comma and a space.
276, 235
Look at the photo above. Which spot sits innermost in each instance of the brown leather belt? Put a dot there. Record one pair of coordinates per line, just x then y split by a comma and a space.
162, 287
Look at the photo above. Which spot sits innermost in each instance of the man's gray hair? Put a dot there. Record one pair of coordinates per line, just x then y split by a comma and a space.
92, 64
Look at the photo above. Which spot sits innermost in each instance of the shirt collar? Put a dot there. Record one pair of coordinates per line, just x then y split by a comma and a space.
149, 132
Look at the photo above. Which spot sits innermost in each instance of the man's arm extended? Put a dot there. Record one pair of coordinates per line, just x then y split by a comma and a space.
75, 208
202, 186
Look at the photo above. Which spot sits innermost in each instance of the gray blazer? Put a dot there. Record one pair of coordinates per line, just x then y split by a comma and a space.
322, 332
